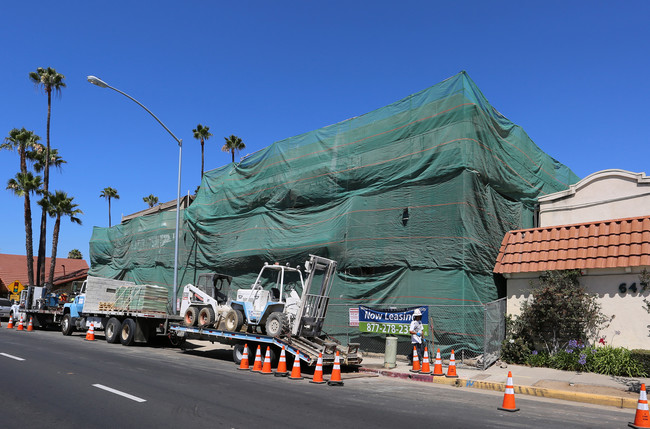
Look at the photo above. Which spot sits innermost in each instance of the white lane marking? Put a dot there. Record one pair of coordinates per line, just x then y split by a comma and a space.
117, 392
11, 356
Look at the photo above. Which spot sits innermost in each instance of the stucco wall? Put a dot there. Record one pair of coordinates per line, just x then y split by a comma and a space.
630, 319
604, 195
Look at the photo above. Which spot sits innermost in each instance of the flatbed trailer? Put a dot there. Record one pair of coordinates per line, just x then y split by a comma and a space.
42, 318
306, 348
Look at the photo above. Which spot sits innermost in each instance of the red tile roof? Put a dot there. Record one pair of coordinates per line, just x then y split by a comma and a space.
604, 244
14, 267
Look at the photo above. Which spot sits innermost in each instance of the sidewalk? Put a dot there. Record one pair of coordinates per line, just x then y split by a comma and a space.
544, 382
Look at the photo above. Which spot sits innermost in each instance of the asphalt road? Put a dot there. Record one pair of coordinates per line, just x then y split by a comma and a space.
49, 379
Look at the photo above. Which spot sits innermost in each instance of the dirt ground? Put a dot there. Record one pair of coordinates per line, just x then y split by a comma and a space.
587, 388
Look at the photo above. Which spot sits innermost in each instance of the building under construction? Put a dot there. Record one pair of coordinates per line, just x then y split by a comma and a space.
412, 200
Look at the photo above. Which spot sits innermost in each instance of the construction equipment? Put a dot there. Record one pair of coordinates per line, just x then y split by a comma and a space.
282, 308
205, 302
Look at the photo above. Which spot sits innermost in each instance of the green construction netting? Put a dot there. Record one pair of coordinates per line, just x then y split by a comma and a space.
412, 200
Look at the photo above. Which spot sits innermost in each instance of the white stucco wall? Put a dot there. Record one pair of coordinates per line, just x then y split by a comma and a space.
630, 319
604, 195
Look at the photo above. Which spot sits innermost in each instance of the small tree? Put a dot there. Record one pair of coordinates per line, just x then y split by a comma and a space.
75, 254
560, 310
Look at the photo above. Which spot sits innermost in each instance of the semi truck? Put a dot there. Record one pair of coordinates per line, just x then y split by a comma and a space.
128, 313
282, 308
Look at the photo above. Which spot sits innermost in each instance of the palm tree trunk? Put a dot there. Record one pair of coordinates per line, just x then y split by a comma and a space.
40, 263
233, 155
55, 243
109, 212
201, 159
28, 240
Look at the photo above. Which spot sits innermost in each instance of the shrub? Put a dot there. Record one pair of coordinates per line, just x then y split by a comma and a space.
618, 362
514, 350
643, 357
538, 359
559, 311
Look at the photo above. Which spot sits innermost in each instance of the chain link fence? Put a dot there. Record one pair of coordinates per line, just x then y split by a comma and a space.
474, 332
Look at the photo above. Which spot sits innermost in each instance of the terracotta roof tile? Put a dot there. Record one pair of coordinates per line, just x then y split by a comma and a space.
14, 267
602, 244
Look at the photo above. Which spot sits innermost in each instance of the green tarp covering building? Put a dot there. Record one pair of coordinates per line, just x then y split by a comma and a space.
412, 200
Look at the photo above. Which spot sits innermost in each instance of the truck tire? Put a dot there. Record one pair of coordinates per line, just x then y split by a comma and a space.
277, 324
113, 328
127, 333
67, 327
206, 316
234, 320
191, 316
238, 353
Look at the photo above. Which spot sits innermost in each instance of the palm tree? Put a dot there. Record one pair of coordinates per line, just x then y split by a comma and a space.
37, 156
58, 205
23, 185
109, 193
75, 254
151, 200
202, 133
22, 140
232, 144
49, 80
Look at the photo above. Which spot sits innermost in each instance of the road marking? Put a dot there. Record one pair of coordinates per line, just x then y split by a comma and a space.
11, 356
117, 392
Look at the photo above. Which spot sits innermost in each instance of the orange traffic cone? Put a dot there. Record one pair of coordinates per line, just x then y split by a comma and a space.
10, 325
257, 365
266, 369
30, 326
416, 360
437, 366
426, 366
244, 359
281, 370
509, 397
318, 373
642, 418
451, 371
20, 324
90, 335
295, 371
335, 379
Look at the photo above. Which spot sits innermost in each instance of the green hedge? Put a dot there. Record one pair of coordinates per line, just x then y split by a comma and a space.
643, 357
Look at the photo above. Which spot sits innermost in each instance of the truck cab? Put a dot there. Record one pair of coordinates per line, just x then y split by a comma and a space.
75, 307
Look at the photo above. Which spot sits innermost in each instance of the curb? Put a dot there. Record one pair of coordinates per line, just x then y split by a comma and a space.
607, 400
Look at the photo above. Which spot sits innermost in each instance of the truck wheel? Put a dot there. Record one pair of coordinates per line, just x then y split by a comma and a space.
238, 353
67, 327
113, 328
277, 324
234, 320
206, 316
127, 333
191, 316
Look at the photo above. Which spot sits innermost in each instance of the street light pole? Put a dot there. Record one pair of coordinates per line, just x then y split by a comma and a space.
100, 83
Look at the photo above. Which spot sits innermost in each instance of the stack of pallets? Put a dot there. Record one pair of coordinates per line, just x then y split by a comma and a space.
141, 298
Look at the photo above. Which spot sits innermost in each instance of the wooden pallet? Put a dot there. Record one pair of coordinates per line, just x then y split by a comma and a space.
106, 306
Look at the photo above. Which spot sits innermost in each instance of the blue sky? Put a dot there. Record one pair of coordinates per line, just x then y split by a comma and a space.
574, 75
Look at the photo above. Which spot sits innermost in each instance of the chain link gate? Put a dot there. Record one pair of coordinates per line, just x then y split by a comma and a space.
474, 332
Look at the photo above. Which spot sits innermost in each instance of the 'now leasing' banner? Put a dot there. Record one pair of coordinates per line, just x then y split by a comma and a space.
393, 322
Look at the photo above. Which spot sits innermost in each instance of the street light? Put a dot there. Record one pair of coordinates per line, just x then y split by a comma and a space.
100, 83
